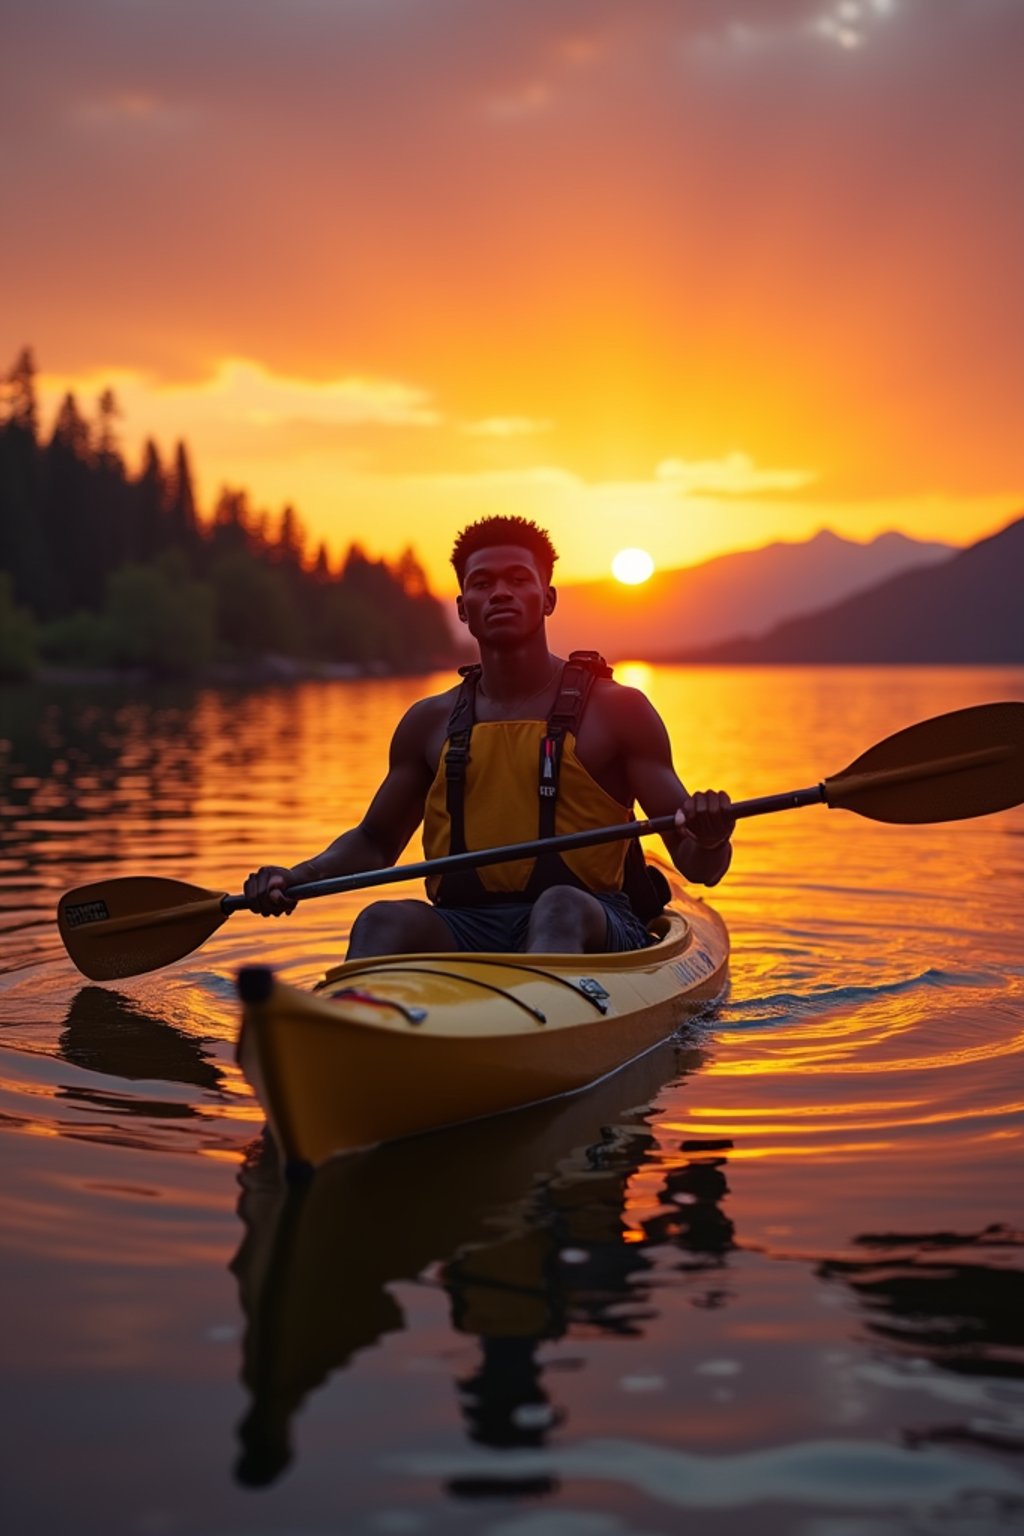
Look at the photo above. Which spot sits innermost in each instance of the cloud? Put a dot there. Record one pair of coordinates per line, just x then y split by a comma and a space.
506, 426
734, 475
849, 22
476, 482
747, 27
525, 101
246, 393
133, 111
249, 392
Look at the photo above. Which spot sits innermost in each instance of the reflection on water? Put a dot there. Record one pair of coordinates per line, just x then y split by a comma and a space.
783, 1293
519, 1219
964, 1314
107, 1032
697, 1224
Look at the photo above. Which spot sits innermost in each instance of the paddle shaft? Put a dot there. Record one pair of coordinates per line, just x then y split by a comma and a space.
966, 763
365, 879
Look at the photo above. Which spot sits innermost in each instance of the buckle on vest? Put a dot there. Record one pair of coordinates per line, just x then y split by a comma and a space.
455, 760
550, 752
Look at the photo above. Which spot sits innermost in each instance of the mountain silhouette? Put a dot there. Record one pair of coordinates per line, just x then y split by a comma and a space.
967, 610
744, 593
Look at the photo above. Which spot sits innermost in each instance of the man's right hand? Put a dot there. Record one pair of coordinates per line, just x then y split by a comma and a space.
264, 891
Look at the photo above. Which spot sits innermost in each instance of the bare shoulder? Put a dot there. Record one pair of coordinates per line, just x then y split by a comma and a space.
623, 707
621, 729
423, 728
431, 708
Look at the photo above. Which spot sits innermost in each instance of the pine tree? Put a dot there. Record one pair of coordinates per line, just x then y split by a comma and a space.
22, 549
232, 522
19, 404
410, 573
108, 450
107, 507
182, 517
68, 513
289, 547
149, 532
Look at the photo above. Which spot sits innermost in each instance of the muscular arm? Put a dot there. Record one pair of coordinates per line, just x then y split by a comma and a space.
701, 849
392, 817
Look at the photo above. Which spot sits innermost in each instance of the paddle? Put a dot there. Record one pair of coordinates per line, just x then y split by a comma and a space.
968, 763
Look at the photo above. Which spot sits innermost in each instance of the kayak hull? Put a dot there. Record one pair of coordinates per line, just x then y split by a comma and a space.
399, 1045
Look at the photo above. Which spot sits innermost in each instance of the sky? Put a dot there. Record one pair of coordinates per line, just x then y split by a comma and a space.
691, 275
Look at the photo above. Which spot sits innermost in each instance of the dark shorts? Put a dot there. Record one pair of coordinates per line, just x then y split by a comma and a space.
501, 927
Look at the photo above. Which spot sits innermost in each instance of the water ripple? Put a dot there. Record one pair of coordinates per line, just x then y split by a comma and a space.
757, 1011
841, 1474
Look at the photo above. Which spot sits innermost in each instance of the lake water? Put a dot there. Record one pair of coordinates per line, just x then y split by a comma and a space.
769, 1279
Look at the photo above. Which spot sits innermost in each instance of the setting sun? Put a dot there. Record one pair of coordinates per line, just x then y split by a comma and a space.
632, 566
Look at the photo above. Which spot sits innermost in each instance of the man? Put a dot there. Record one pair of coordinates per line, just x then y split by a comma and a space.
526, 744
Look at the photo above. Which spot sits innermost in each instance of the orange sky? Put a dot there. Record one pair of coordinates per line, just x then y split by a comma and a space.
684, 274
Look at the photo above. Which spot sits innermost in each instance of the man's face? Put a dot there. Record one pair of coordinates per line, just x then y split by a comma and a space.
505, 597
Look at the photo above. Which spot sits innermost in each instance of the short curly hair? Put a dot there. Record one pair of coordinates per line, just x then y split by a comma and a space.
489, 531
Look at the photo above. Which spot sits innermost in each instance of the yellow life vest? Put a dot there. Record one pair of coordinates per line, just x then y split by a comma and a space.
501, 803
508, 781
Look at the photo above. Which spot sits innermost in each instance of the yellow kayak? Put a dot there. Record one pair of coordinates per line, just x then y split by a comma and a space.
399, 1045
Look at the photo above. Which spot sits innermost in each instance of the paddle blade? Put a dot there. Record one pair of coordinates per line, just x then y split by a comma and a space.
967, 763
124, 927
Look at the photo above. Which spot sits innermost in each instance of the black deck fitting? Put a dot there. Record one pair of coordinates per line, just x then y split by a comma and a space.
255, 983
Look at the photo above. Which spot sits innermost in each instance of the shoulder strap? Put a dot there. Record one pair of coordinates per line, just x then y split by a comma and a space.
463, 715
579, 674
593, 661
464, 888
456, 758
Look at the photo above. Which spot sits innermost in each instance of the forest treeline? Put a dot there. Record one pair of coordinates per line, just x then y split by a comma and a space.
101, 567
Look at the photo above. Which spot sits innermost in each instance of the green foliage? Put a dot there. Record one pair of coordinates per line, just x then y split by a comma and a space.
17, 635
396, 621
351, 628
257, 611
119, 569
82, 639
160, 619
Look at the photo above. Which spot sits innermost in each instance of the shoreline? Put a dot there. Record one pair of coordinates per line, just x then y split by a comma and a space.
265, 669
287, 670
